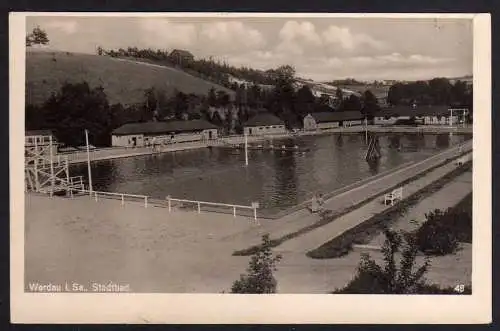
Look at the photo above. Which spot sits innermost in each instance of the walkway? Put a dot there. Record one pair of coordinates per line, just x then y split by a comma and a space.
302, 218
445, 198
121, 152
318, 237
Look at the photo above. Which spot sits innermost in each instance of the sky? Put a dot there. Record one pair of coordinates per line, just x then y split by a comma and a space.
322, 49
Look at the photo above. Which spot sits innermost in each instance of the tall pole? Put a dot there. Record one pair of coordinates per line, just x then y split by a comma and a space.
366, 130
88, 161
246, 149
451, 117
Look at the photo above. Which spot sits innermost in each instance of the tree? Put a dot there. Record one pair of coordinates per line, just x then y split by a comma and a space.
37, 37
259, 278
212, 97
395, 94
77, 107
440, 90
370, 104
353, 102
443, 230
339, 97
180, 104
223, 99
372, 278
305, 101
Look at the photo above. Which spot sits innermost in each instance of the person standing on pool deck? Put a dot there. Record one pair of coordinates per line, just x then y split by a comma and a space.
314, 204
321, 201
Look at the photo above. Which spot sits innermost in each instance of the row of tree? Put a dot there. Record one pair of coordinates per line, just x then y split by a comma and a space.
437, 91
78, 106
210, 69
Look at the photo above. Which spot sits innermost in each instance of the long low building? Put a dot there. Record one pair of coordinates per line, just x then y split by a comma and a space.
264, 123
429, 115
333, 119
151, 133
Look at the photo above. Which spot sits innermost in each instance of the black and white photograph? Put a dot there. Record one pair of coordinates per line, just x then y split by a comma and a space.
251, 154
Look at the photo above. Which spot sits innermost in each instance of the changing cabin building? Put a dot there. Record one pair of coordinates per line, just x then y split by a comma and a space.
151, 133
264, 123
428, 115
330, 120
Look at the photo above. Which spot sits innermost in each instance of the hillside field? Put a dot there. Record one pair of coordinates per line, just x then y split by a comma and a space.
124, 81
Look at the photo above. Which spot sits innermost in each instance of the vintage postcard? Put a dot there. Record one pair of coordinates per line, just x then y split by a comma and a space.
177, 164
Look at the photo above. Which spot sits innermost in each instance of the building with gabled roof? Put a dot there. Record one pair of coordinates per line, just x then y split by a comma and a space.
151, 133
428, 114
181, 56
264, 123
330, 120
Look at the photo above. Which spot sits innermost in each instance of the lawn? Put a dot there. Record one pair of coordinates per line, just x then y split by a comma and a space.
123, 81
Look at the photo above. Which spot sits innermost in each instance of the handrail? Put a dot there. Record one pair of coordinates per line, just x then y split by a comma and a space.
253, 207
95, 194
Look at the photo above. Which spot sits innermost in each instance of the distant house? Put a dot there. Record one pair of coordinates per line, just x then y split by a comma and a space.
330, 120
150, 133
428, 115
264, 123
179, 56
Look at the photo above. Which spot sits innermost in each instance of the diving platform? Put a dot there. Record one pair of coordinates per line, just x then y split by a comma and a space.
45, 171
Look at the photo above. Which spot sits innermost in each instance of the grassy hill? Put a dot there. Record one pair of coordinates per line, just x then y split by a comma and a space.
123, 81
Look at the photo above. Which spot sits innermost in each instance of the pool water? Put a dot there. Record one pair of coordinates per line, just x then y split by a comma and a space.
278, 180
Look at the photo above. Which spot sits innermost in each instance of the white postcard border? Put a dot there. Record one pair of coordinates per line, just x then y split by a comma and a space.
268, 309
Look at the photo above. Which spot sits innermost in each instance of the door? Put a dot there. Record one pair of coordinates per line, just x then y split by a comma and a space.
209, 134
134, 141
250, 131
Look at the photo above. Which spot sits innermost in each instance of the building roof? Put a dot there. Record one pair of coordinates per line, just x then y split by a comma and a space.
38, 133
163, 127
336, 116
182, 52
262, 119
417, 111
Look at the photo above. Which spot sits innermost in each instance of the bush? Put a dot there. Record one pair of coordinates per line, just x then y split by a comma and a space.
372, 278
442, 231
259, 278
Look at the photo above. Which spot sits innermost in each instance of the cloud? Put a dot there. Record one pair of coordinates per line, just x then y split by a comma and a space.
161, 31
65, 26
230, 36
349, 41
301, 32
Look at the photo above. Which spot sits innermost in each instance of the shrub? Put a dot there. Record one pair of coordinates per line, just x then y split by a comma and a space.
438, 235
372, 278
259, 278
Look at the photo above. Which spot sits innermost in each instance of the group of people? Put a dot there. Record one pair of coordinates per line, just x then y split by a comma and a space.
317, 203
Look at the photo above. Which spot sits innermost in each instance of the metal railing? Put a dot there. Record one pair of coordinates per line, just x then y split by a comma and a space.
198, 204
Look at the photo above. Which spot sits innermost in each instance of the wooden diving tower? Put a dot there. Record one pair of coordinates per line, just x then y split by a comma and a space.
45, 171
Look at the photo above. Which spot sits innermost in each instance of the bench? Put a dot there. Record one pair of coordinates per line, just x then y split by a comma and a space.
394, 196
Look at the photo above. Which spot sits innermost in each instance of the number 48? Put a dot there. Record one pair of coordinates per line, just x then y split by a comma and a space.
460, 288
